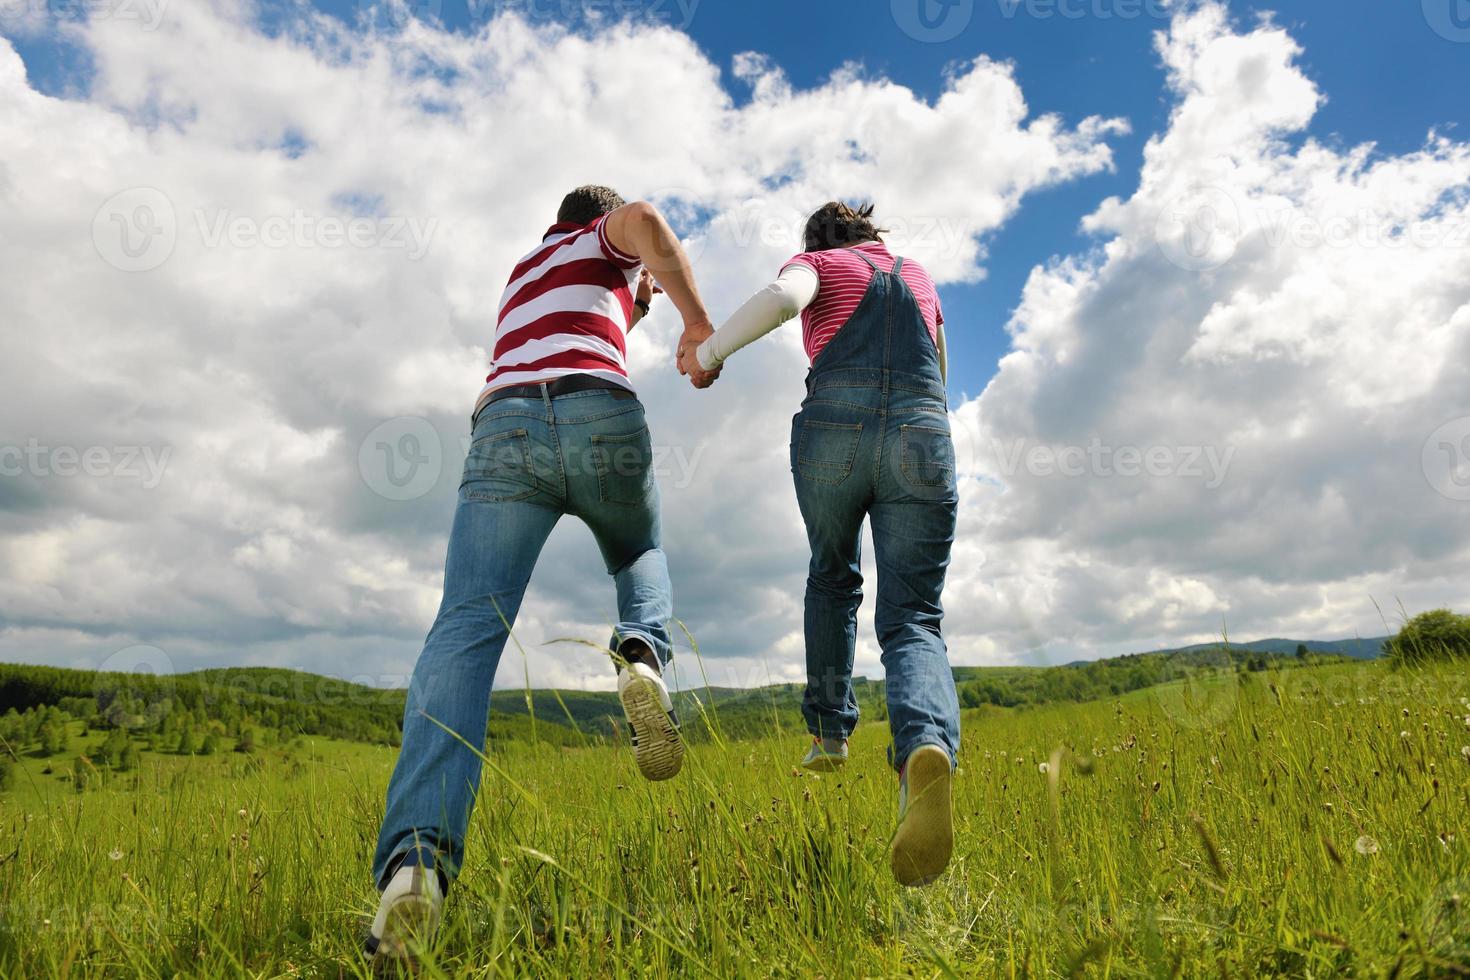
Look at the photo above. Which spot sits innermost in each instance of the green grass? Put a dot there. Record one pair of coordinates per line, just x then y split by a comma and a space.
1311, 822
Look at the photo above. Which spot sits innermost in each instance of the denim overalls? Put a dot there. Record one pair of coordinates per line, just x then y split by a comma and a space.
872, 440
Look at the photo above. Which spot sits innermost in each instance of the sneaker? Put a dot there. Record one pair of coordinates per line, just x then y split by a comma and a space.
408, 914
656, 742
826, 755
925, 837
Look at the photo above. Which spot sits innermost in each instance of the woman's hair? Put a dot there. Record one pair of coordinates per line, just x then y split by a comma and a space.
588, 203
836, 225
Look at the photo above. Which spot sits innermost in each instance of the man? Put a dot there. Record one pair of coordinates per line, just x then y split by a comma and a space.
557, 430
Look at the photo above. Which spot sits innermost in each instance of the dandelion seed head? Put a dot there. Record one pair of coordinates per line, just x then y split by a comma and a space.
115, 854
1365, 845
1043, 768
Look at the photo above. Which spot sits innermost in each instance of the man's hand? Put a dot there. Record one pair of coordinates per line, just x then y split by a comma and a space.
695, 333
647, 288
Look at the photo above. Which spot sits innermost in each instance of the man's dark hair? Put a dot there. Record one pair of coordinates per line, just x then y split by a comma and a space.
836, 225
588, 203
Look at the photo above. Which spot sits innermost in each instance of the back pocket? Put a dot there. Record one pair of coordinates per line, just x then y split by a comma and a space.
624, 466
499, 468
926, 456
825, 451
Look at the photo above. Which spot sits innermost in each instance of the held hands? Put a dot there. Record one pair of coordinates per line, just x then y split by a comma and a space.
687, 358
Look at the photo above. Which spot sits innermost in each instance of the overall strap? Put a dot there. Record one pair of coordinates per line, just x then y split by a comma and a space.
870, 262
897, 265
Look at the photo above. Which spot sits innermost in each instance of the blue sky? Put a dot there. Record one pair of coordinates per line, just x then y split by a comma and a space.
1390, 79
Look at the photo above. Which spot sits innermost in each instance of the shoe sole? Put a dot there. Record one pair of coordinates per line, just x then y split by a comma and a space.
824, 763
660, 750
409, 917
925, 839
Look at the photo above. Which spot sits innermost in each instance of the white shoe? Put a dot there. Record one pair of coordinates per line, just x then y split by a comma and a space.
408, 913
925, 837
826, 755
656, 742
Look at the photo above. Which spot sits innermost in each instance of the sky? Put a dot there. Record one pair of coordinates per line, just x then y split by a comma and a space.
1205, 268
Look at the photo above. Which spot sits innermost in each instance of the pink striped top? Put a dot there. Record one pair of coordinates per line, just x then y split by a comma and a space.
842, 279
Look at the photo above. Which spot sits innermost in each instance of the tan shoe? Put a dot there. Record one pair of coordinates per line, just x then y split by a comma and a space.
925, 837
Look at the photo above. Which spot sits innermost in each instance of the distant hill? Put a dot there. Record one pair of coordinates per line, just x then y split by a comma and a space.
1353, 649
1356, 648
177, 710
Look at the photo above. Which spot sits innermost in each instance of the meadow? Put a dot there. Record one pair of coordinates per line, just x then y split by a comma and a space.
1305, 822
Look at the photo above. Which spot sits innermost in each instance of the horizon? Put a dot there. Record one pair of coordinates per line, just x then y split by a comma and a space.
158, 665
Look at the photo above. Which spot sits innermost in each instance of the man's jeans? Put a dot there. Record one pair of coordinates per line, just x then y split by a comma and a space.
856, 453
531, 461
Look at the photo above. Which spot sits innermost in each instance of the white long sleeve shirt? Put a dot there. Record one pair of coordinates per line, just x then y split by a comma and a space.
791, 292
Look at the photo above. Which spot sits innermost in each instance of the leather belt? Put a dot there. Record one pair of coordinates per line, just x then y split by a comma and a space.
561, 386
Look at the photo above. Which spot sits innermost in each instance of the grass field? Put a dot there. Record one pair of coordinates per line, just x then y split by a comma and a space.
1311, 822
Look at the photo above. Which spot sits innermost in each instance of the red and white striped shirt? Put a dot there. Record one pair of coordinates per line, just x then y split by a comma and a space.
566, 310
844, 278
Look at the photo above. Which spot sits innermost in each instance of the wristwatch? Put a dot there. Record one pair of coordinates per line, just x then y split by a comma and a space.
642, 304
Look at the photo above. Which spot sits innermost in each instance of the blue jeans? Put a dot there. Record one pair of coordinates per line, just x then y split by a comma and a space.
860, 452
531, 461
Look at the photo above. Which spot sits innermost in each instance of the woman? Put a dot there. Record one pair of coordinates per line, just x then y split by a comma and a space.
871, 441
